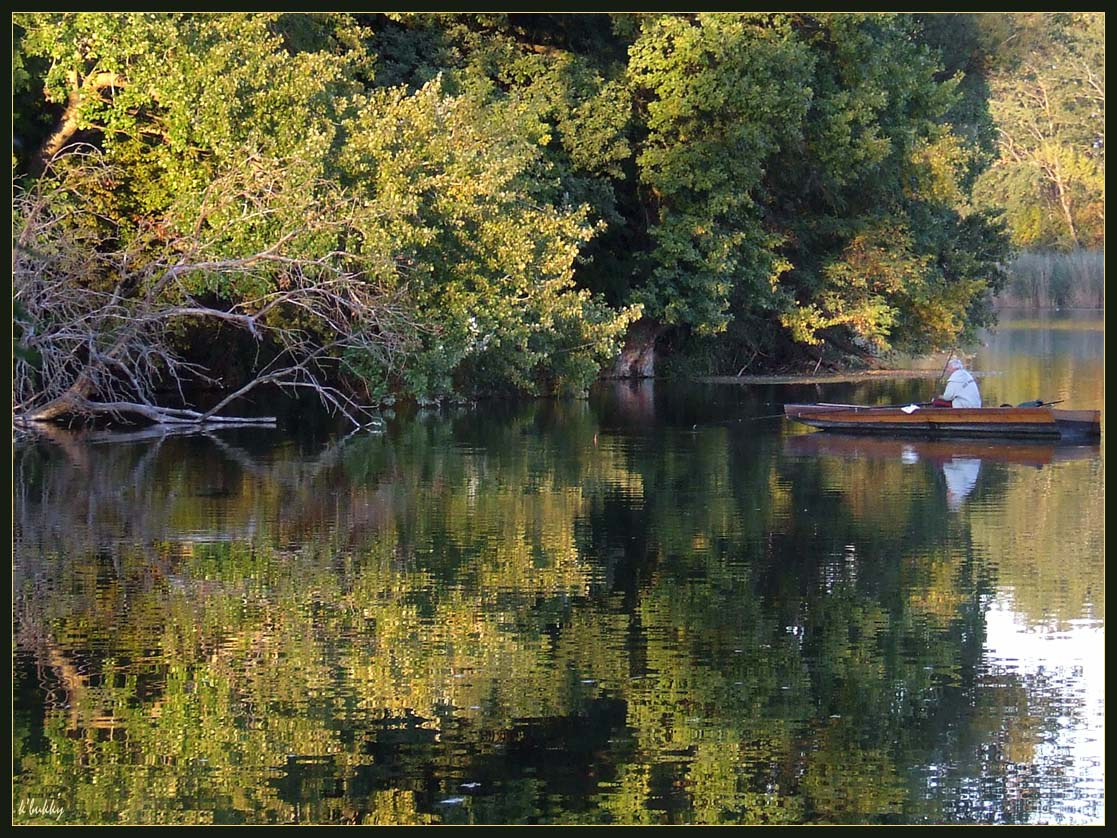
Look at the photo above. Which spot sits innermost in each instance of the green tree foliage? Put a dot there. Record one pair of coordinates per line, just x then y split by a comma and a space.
456, 190
464, 224
534, 183
720, 95
1048, 99
750, 158
871, 196
173, 96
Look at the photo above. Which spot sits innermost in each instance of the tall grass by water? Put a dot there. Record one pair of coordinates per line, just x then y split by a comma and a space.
1055, 280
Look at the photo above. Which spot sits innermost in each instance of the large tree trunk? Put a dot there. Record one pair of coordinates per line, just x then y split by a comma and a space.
637, 357
69, 403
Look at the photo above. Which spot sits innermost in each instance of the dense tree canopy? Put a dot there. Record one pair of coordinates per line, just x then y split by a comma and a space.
524, 187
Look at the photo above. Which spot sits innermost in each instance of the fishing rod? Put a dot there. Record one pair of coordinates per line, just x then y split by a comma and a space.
866, 406
944, 366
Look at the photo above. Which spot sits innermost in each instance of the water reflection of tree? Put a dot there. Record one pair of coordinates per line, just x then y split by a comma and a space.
361, 634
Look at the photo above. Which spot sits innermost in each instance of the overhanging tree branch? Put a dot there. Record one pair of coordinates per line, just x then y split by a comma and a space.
81, 89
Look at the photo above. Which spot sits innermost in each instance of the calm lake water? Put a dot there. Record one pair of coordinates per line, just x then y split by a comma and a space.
661, 605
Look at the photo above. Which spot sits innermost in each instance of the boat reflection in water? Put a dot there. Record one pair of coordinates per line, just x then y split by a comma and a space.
959, 459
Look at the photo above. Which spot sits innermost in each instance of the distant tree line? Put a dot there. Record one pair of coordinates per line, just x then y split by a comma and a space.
377, 206
1047, 98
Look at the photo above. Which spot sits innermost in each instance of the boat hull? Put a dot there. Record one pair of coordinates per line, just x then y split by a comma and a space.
931, 422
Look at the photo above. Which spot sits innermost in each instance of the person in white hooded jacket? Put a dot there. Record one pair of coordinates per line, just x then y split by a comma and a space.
961, 389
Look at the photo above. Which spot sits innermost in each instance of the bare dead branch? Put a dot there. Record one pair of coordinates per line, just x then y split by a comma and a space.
100, 305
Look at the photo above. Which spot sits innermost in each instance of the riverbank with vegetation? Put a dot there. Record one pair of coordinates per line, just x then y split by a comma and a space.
1055, 280
370, 208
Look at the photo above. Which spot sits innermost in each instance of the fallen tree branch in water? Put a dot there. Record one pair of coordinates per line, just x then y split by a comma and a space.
101, 308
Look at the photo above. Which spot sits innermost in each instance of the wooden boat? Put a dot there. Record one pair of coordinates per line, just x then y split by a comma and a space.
1026, 452
1043, 422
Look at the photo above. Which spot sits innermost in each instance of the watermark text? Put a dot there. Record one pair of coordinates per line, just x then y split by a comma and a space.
35, 807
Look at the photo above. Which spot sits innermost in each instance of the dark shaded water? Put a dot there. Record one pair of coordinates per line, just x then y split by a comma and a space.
662, 605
